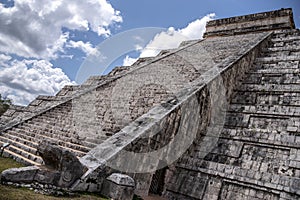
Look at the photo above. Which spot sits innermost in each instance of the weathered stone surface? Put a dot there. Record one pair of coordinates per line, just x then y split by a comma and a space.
51, 155
142, 108
266, 21
121, 179
118, 186
23, 175
63, 161
47, 176
258, 145
62, 168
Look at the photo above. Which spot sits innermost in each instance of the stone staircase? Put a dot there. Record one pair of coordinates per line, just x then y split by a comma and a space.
52, 118
258, 153
268, 100
54, 126
49, 118
41, 103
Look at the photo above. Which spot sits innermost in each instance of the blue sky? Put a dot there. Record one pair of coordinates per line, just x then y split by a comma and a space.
45, 44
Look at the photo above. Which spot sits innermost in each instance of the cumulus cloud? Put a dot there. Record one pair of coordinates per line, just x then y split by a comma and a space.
128, 61
172, 38
33, 28
22, 81
85, 47
164, 40
4, 59
35, 32
196, 29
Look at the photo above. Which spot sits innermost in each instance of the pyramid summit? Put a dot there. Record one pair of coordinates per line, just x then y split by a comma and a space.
216, 118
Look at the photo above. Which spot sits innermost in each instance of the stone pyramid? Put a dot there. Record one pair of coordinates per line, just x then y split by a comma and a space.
217, 118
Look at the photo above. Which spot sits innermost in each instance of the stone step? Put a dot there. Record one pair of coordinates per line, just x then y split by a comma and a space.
65, 133
63, 109
239, 174
28, 148
280, 65
32, 136
48, 132
269, 88
262, 136
286, 39
278, 99
286, 33
278, 59
282, 53
281, 49
276, 77
266, 70
36, 137
58, 113
264, 122
47, 98
18, 157
279, 110
47, 124
11, 134
19, 137
23, 153
55, 119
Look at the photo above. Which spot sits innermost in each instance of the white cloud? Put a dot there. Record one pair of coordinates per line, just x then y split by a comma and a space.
172, 38
4, 59
33, 28
23, 80
67, 56
85, 47
196, 29
129, 61
164, 40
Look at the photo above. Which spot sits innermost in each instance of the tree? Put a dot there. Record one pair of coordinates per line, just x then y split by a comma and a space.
4, 104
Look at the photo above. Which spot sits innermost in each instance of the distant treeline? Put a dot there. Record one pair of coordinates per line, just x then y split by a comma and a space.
4, 104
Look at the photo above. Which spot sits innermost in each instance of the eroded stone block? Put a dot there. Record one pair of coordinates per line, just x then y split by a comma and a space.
118, 186
21, 175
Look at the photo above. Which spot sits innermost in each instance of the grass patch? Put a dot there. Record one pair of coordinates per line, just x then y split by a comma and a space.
6, 163
15, 193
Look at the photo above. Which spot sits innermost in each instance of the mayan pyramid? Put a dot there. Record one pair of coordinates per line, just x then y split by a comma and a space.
220, 117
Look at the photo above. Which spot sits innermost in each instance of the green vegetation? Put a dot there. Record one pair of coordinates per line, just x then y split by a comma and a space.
6, 163
4, 105
14, 193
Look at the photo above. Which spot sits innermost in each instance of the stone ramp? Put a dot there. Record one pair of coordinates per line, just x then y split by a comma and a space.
257, 156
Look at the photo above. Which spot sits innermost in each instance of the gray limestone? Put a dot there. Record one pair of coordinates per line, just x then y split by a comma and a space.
118, 186
231, 101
